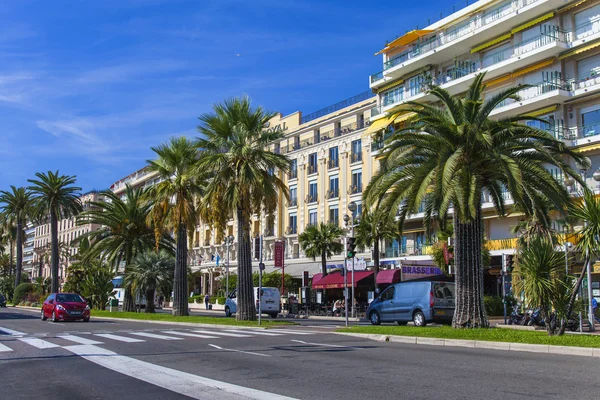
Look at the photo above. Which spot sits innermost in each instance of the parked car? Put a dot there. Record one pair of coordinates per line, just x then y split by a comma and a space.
270, 304
2, 301
65, 307
420, 302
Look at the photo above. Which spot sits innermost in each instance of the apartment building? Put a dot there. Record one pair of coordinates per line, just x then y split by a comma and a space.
552, 45
68, 231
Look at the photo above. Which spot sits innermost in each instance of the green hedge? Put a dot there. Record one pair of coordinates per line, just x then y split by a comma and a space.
21, 292
495, 307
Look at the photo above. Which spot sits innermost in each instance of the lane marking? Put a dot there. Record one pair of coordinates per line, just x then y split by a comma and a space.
77, 339
155, 336
222, 333
7, 331
254, 332
194, 386
119, 338
239, 351
324, 344
291, 332
5, 348
39, 343
190, 334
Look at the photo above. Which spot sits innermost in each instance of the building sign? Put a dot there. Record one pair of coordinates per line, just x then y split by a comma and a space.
410, 272
279, 254
359, 264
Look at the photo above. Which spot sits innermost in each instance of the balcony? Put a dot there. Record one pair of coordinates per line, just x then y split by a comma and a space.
550, 92
338, 106
355, 189
402, 251
269, 232
312, 169
291, 230
311, 198
207, 243
332, 194
293, 174
355, 157
460, 38
333, 163
293, 202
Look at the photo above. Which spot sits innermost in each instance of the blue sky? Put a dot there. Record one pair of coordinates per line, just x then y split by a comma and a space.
86, 87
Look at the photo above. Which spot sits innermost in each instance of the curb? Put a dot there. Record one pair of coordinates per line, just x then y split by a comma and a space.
481, 344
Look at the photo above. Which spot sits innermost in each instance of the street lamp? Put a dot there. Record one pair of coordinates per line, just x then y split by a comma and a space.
227, 242
352, 207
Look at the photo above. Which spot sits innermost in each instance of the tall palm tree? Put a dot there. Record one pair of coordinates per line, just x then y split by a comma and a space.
372, 229
16, 205
9, 236
174, 199
322, 241
56, 196
539, 275
237, 151
124, 232
149, 271
454, 153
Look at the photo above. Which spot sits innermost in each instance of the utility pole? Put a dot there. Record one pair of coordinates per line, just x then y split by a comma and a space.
261, 266
346, 280
504, 268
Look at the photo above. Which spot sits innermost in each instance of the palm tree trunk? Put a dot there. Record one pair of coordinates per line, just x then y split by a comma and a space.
19, 253
149, 301
468, 260
54, 249
180, 295
324, 264
128, 300
574, 295
12, 255
246, 310
375, 261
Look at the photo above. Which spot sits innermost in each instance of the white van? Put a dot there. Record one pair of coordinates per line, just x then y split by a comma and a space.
271, 302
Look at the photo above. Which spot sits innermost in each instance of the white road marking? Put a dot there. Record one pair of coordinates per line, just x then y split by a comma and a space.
119, 338
254, 332
4, 348
39, 343
292, 332
324, 344
77, 339
222, 333
7, 331
239, 351
194, 386
155, 336
190, 334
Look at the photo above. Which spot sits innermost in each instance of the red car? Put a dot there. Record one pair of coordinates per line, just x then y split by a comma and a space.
65, 307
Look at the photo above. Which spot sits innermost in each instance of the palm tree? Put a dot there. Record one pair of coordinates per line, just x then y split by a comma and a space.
9, 236
16, 205
57, 196
174, 200
372, 229
449, 157
124, 232
237, 152
539, 275
149, 271
322, 241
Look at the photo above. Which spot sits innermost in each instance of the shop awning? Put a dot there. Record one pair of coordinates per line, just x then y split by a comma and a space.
378, 125
579, 50
587, 148
389, 276
336, 280
405, 39
491, 43
317, 277
532, 23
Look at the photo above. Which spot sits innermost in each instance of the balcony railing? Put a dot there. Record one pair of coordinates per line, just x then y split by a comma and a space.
293, 202
312, 169
311, 198
207, 243
333, 163
334, 221
293, 174
291, 230
338, 106
354, 189
332, 194
584, 30
376, 111
269, 232
538, 90
355, 157
551, 36
377, 77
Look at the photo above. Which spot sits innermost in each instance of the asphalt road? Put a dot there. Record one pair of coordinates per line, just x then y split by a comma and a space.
131, 360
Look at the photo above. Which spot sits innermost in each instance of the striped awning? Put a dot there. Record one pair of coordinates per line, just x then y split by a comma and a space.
543, 111
378, 125
570, 6
498, 80
491, 43
579, 50
595, 146
405, 39
390, 85
532, 68
404, 117
532, 23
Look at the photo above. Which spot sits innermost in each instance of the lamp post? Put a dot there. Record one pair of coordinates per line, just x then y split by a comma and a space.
346, 220
352, 208
227, 242
583, 169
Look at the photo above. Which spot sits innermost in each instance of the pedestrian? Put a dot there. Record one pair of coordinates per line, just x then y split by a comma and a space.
594, 307
160, 300
206, 300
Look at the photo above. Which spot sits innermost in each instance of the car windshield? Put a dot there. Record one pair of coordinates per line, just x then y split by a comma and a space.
69, 298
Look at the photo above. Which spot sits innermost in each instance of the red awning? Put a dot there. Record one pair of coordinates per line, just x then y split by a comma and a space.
389, 276
317, 277
336, 280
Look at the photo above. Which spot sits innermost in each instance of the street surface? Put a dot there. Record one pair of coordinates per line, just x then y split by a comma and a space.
138, 360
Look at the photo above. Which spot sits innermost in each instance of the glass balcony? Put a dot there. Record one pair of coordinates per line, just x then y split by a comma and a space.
377, 77
537, 90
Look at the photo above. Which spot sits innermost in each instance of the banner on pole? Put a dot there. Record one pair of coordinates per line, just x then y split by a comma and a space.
279, 254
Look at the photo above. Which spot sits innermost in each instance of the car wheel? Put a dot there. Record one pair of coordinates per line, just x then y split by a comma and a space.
402, 323
44, 318
419, 318
374, 318
227, 312
86, 319
54, 317
273, 315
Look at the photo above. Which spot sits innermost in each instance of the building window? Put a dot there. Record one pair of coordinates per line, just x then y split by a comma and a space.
415, 85
312, 218
334, 187
356, 186
393, 96
333, 157
356, 154
590, 123
358, 211
293, 174
334, 215
312, 192
293, 196
312, 163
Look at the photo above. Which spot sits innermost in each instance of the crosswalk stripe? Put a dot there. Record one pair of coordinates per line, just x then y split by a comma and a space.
222, 333
254, 332
190, 334
4, 348
292, 332
77, 339
7, 331
155, 336
39, 343
119, 338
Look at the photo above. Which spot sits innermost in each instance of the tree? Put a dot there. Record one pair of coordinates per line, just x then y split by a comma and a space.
56, 196
76, 270
372, 229
322, 241
449, 156
174, 201
148, 272
539, 275
237, 151
97, 286
16, 205
124, 232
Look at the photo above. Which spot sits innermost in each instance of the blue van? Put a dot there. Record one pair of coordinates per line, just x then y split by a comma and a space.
420, 302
